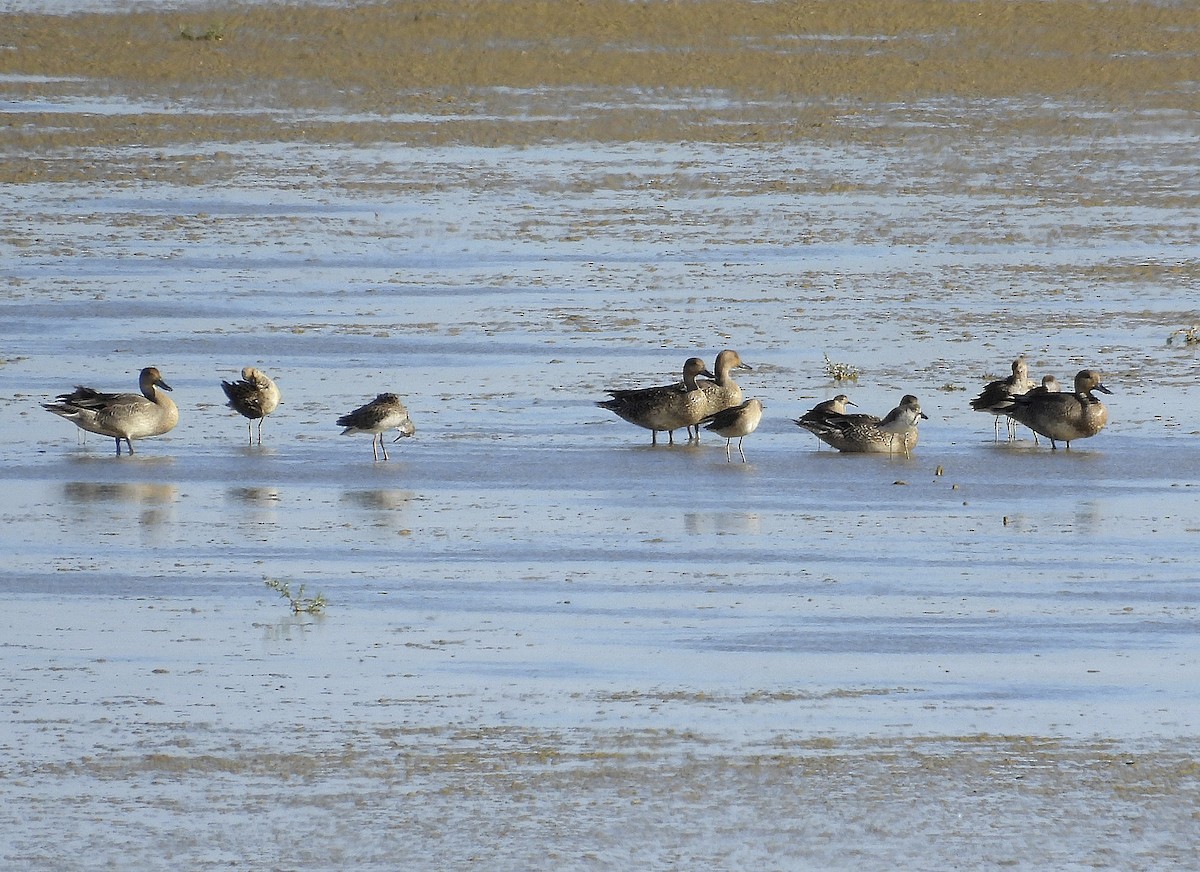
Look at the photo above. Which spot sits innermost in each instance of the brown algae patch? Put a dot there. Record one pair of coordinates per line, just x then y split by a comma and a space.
496, 72
665, 797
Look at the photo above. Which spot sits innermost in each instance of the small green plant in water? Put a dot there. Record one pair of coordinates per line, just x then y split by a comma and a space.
841, 372
299, 602
1189, 335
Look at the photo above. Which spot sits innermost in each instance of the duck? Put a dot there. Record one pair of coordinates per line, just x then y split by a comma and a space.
385, 412
1063, 417
254, 397
664, 408
723, 392
121, 416
1049, 385
861, 433
818, 413
995, 395
735, 422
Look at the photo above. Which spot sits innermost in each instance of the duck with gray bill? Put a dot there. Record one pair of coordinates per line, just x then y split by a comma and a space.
121, 416
663, 408
1063, 417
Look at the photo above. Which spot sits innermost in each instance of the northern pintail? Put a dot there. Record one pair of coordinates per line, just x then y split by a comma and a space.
735, 422
121, 416
723, 392
254, 397
896, 431
995, 395
1063, 416
664, 408
1049, 385
818, 413
822, 410
385, 412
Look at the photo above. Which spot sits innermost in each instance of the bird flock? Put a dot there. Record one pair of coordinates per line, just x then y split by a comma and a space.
714, 403
126, 417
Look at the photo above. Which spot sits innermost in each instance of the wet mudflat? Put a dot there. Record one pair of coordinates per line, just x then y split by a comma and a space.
548, 644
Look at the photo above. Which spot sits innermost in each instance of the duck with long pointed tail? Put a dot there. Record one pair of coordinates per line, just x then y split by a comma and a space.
1063, 417
822, 411
121, 416
664, 408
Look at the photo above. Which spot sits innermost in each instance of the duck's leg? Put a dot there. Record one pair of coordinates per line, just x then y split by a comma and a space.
118, 438
383, 446
740, 451
374, 452
653, 437
727, 441
129, 445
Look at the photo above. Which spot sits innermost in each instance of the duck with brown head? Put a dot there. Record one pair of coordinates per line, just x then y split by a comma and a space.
1063, 417
121, 416
665, 408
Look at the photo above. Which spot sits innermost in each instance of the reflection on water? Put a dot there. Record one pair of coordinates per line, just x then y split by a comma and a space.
379, 500
254, 495
710, 523
263, 503
157, 500
119, 492
289, 627
1088, 517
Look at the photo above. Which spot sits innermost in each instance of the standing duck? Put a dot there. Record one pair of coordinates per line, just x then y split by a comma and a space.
665, 408
254, 396
723, 392
121, 416
1063, 416
995, 395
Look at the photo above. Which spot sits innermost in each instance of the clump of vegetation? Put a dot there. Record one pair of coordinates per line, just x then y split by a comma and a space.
950, 387
1189, 335
300, 604
841, 372
216, 33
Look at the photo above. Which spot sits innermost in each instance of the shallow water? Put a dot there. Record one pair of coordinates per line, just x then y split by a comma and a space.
547, 643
